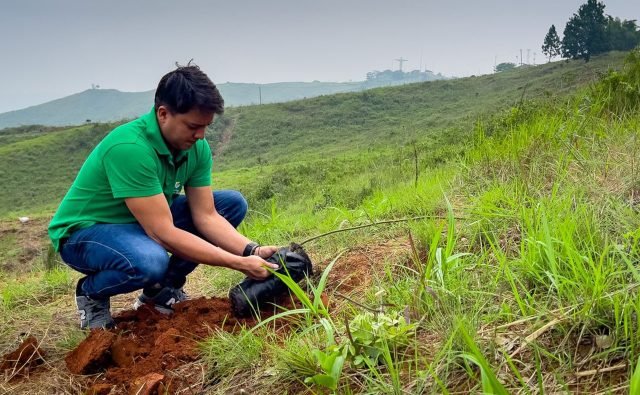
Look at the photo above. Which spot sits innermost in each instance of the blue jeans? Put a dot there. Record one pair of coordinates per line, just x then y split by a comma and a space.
121, 258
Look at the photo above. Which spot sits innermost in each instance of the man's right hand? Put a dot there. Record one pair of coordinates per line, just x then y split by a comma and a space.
254, 267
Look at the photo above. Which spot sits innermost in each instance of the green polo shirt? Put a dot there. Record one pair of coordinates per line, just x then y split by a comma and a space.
133, 160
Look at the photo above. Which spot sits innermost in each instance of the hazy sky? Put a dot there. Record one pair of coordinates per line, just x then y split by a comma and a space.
53, 48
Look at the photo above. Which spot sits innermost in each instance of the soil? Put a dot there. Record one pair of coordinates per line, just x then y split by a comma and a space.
151, 353
147, 350
356, 270
27, 356
140, 355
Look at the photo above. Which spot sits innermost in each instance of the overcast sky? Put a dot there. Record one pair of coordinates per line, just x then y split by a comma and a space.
53, 48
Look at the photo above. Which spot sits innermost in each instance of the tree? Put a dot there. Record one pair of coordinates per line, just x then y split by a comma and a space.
552, 46
584, 35
622, 35
506, 66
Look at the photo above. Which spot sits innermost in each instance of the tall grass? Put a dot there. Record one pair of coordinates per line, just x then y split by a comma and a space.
524, 279
538, 260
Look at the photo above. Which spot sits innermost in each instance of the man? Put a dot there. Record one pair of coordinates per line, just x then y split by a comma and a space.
124, 211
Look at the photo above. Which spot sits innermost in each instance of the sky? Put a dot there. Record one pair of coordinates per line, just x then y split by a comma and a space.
53, 48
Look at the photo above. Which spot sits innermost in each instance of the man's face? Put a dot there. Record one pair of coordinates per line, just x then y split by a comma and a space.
181, 131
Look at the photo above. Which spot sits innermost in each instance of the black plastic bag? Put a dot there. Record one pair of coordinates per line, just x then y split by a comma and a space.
250, 295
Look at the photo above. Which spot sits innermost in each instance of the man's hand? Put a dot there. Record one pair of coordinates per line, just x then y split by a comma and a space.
265, 252
254, 267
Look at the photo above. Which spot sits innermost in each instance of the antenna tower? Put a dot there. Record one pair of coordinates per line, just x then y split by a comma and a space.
401, 60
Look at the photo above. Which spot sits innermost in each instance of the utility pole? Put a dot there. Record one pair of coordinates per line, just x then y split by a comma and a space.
528, 54
521, 57
260, 93
401, 60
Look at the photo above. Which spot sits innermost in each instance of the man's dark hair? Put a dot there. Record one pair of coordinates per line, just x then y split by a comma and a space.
187, 88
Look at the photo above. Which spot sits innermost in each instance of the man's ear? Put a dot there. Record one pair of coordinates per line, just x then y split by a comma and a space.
162, 113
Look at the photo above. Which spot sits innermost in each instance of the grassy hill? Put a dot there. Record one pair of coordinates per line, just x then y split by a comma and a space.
501, 258
109, 105
340, 127
95, 105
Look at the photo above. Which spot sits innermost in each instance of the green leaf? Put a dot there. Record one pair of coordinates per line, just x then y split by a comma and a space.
634, 383
325, 380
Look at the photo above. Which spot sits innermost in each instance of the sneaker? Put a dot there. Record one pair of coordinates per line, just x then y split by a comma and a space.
163, 301
94, 313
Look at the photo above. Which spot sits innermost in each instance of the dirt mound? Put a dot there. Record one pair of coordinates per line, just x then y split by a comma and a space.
141, 354
355, 271
27, 356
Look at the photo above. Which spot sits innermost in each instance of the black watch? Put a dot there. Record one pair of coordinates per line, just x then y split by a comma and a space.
250, 248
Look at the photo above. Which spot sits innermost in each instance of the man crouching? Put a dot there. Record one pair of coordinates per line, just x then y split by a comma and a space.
124, 213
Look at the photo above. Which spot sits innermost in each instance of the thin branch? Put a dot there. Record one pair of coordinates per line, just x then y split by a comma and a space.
603, 370
535, 335
374, 224
377, 311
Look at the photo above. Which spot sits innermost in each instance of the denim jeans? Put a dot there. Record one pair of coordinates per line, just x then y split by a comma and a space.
121, 258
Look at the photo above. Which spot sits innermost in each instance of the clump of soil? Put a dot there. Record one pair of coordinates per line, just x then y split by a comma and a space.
27, 356
146, 346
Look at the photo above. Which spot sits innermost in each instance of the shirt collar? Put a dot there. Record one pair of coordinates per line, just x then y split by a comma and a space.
153, 133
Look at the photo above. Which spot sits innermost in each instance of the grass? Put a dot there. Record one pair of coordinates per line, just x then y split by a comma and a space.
324, 136
521, 277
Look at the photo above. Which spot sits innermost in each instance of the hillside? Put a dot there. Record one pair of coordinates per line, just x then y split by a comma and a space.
502, 259
108, 105
382, 120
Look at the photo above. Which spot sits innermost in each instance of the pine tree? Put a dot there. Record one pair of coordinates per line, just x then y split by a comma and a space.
552, 46
584, 35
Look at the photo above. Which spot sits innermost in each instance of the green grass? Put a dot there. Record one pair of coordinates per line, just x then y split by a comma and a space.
523, 272
313, 137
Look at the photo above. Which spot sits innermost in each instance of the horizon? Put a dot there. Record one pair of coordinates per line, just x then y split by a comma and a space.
113, 45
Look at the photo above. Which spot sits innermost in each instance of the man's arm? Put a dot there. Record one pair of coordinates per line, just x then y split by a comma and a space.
153, 213
214, 227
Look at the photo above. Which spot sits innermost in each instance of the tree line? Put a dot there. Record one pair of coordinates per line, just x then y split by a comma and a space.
590, 32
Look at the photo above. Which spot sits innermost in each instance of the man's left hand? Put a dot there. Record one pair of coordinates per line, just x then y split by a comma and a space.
265, 252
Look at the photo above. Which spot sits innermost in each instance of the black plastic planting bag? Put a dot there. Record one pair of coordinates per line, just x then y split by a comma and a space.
250, 295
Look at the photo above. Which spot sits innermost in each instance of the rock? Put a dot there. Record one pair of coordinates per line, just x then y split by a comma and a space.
23, 220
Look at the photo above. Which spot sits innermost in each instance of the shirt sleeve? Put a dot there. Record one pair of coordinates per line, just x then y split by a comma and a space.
201, 176
131, 171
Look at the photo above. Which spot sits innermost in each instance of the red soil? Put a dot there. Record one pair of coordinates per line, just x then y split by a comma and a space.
23, 359
151, 353
140, 355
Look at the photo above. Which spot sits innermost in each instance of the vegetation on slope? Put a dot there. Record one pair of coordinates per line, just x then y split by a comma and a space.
528, 285
330, 125
110, 105
322, 132
520, 276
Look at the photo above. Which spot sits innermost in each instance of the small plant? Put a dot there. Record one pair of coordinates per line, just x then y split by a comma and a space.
295, 357
370, 335
331, 363
489, 380
311, 308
